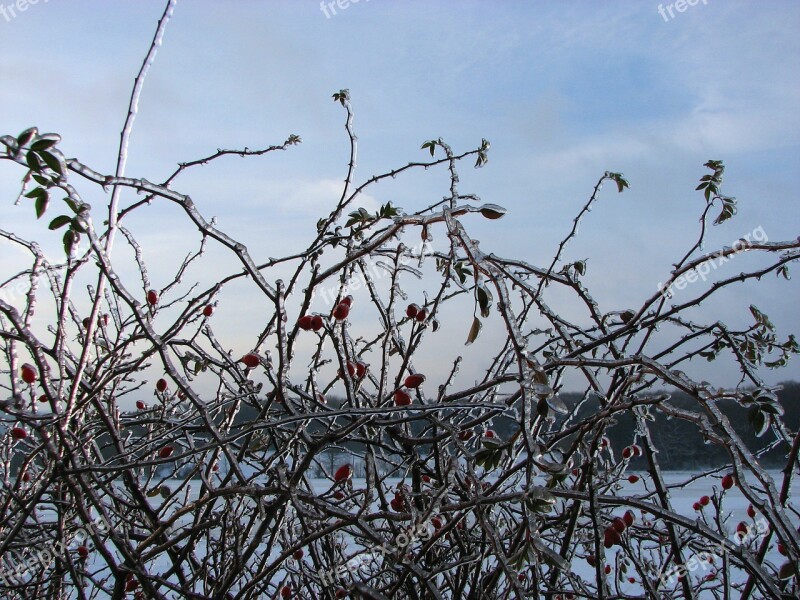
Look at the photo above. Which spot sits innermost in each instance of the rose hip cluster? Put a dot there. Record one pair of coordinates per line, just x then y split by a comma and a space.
613, 533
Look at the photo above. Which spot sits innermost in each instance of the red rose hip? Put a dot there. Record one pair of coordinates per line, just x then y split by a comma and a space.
343, 473
251, 360
341, 311
414, 380
28, 373
402, 398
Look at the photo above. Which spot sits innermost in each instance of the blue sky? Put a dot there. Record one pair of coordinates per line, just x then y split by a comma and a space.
563, 91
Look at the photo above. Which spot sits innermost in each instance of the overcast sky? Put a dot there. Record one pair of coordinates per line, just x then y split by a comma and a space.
563, 91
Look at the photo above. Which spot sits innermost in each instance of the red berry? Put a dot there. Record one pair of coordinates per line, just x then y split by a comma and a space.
426, 479
43, 398
131, 584
341, 311
627, 452
166, 452
29, 374
705, 500
697, 506
610, 537
361, 369
782, 549
286, 591
412, 311
402, 398
576, 472
751, 512
351, 368
251, 360
619, 525
86, 322
398, 505
306, 322
608, 569
465, 435
161, 385
421, 315
316, 323
633, 478
436, 522
26, 477
727, 481
298, 554
741, 529
341, 593
604, 442
339, 495
321, 398
140, 405
18, 433
347, 300
152, 297
343, 473
83, 551
208, 310
637, 451
628, 517
591, 560
631, 580
414, 380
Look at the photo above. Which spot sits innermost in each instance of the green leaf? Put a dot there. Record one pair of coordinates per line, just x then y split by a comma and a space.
41, 205
56, 163
36, 193
26, 136
580, 267
43, 144
32, 160
59, 222
728, 210
758, 420
484, 300
342, 96
431, 146
474, 331
70, 238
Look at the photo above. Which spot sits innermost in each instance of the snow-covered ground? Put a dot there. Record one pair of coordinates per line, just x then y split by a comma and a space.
734, 509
